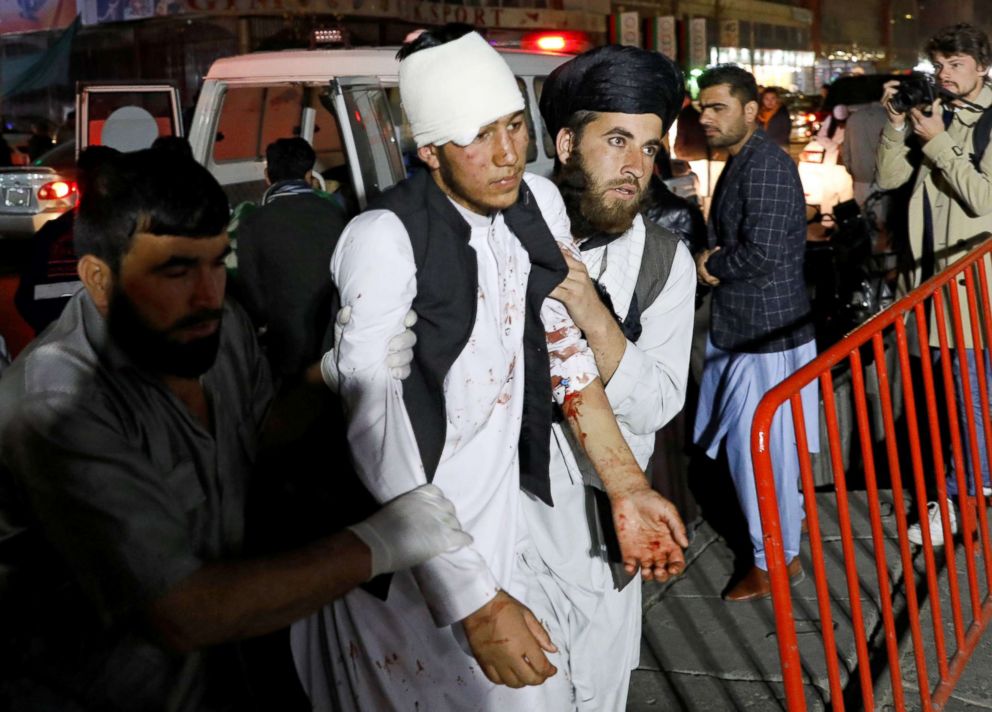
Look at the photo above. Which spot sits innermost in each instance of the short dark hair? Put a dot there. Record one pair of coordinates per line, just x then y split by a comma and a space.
960, 39
741, 82
155, 191
289, 159
175, 144
434, 38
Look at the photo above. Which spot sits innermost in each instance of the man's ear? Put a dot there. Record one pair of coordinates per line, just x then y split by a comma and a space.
751, 112
564, 144
96, 277
429, 155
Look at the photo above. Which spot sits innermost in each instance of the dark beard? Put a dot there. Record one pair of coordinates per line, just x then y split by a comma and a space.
588, 210
154, 350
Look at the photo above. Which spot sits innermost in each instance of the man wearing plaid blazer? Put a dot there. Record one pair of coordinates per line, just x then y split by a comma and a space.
760, 329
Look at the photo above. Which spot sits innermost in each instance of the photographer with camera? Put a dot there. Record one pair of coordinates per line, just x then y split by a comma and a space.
951, 200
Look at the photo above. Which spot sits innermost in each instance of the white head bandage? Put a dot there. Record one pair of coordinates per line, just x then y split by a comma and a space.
451, 91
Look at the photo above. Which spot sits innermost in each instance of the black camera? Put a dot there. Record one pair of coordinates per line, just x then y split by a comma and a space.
917, 90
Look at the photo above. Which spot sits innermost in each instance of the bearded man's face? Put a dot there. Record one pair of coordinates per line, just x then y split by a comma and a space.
605, 173
166, 302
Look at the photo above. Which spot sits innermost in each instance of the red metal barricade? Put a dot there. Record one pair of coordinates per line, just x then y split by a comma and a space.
894, 328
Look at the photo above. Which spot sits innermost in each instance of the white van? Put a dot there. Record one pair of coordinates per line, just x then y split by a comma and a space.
345, 102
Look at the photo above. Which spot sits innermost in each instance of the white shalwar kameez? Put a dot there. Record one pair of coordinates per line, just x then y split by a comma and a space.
409, 652
603, 625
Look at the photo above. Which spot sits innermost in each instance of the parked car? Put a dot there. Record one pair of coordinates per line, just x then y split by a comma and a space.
32, 195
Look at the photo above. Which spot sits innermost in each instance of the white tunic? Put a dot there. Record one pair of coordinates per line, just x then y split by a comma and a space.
405, 653
603, 625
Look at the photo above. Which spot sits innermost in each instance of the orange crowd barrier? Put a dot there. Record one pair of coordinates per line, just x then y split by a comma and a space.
951, 302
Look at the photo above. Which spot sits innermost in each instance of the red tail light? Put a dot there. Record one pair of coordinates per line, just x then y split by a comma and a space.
567, 42
551, 43
57, 190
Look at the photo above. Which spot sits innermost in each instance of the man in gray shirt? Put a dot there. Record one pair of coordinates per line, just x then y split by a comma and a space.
127, 431
861, 137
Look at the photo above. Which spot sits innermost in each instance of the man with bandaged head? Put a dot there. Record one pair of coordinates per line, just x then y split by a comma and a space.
474, 246
632, 295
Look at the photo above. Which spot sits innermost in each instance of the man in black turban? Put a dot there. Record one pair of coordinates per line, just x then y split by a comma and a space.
608, 110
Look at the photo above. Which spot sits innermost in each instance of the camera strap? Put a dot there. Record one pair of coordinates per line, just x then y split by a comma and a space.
980, 138
927, 261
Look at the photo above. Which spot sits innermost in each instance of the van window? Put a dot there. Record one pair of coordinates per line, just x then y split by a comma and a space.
531, 146
253, 117
379, 159
546, 137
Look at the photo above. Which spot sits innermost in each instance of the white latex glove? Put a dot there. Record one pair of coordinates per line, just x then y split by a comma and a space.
411, 529
399, 349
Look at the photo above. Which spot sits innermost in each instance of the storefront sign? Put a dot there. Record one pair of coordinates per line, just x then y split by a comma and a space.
34, 15
665, 36
414, 11
698, 50
627, 29
730, 33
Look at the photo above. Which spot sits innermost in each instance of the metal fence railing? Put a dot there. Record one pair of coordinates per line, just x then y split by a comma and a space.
938, 384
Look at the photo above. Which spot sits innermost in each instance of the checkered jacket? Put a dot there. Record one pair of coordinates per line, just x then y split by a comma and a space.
758, 219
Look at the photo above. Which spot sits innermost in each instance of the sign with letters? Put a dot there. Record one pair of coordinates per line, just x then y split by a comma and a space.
698, 49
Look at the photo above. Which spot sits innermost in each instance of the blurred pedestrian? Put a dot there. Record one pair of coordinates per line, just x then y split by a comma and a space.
284, 248
773, 117
41, 141
861, 138
690, 140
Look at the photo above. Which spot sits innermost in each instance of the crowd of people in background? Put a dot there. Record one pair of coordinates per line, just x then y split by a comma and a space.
399, 458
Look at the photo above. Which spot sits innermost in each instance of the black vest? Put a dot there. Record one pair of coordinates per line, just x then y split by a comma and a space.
447, 286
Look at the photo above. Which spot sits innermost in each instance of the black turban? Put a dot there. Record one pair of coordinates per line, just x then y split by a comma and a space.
614, 79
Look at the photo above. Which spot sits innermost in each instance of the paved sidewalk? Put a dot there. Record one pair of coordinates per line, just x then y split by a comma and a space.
701, 653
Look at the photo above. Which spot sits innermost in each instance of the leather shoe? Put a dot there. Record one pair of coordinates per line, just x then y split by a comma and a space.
757, 584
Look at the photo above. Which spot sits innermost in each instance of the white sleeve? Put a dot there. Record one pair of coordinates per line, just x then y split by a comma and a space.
375, 273
648, 387
573, 365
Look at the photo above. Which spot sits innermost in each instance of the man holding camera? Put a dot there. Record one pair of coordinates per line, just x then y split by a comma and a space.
951, 202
